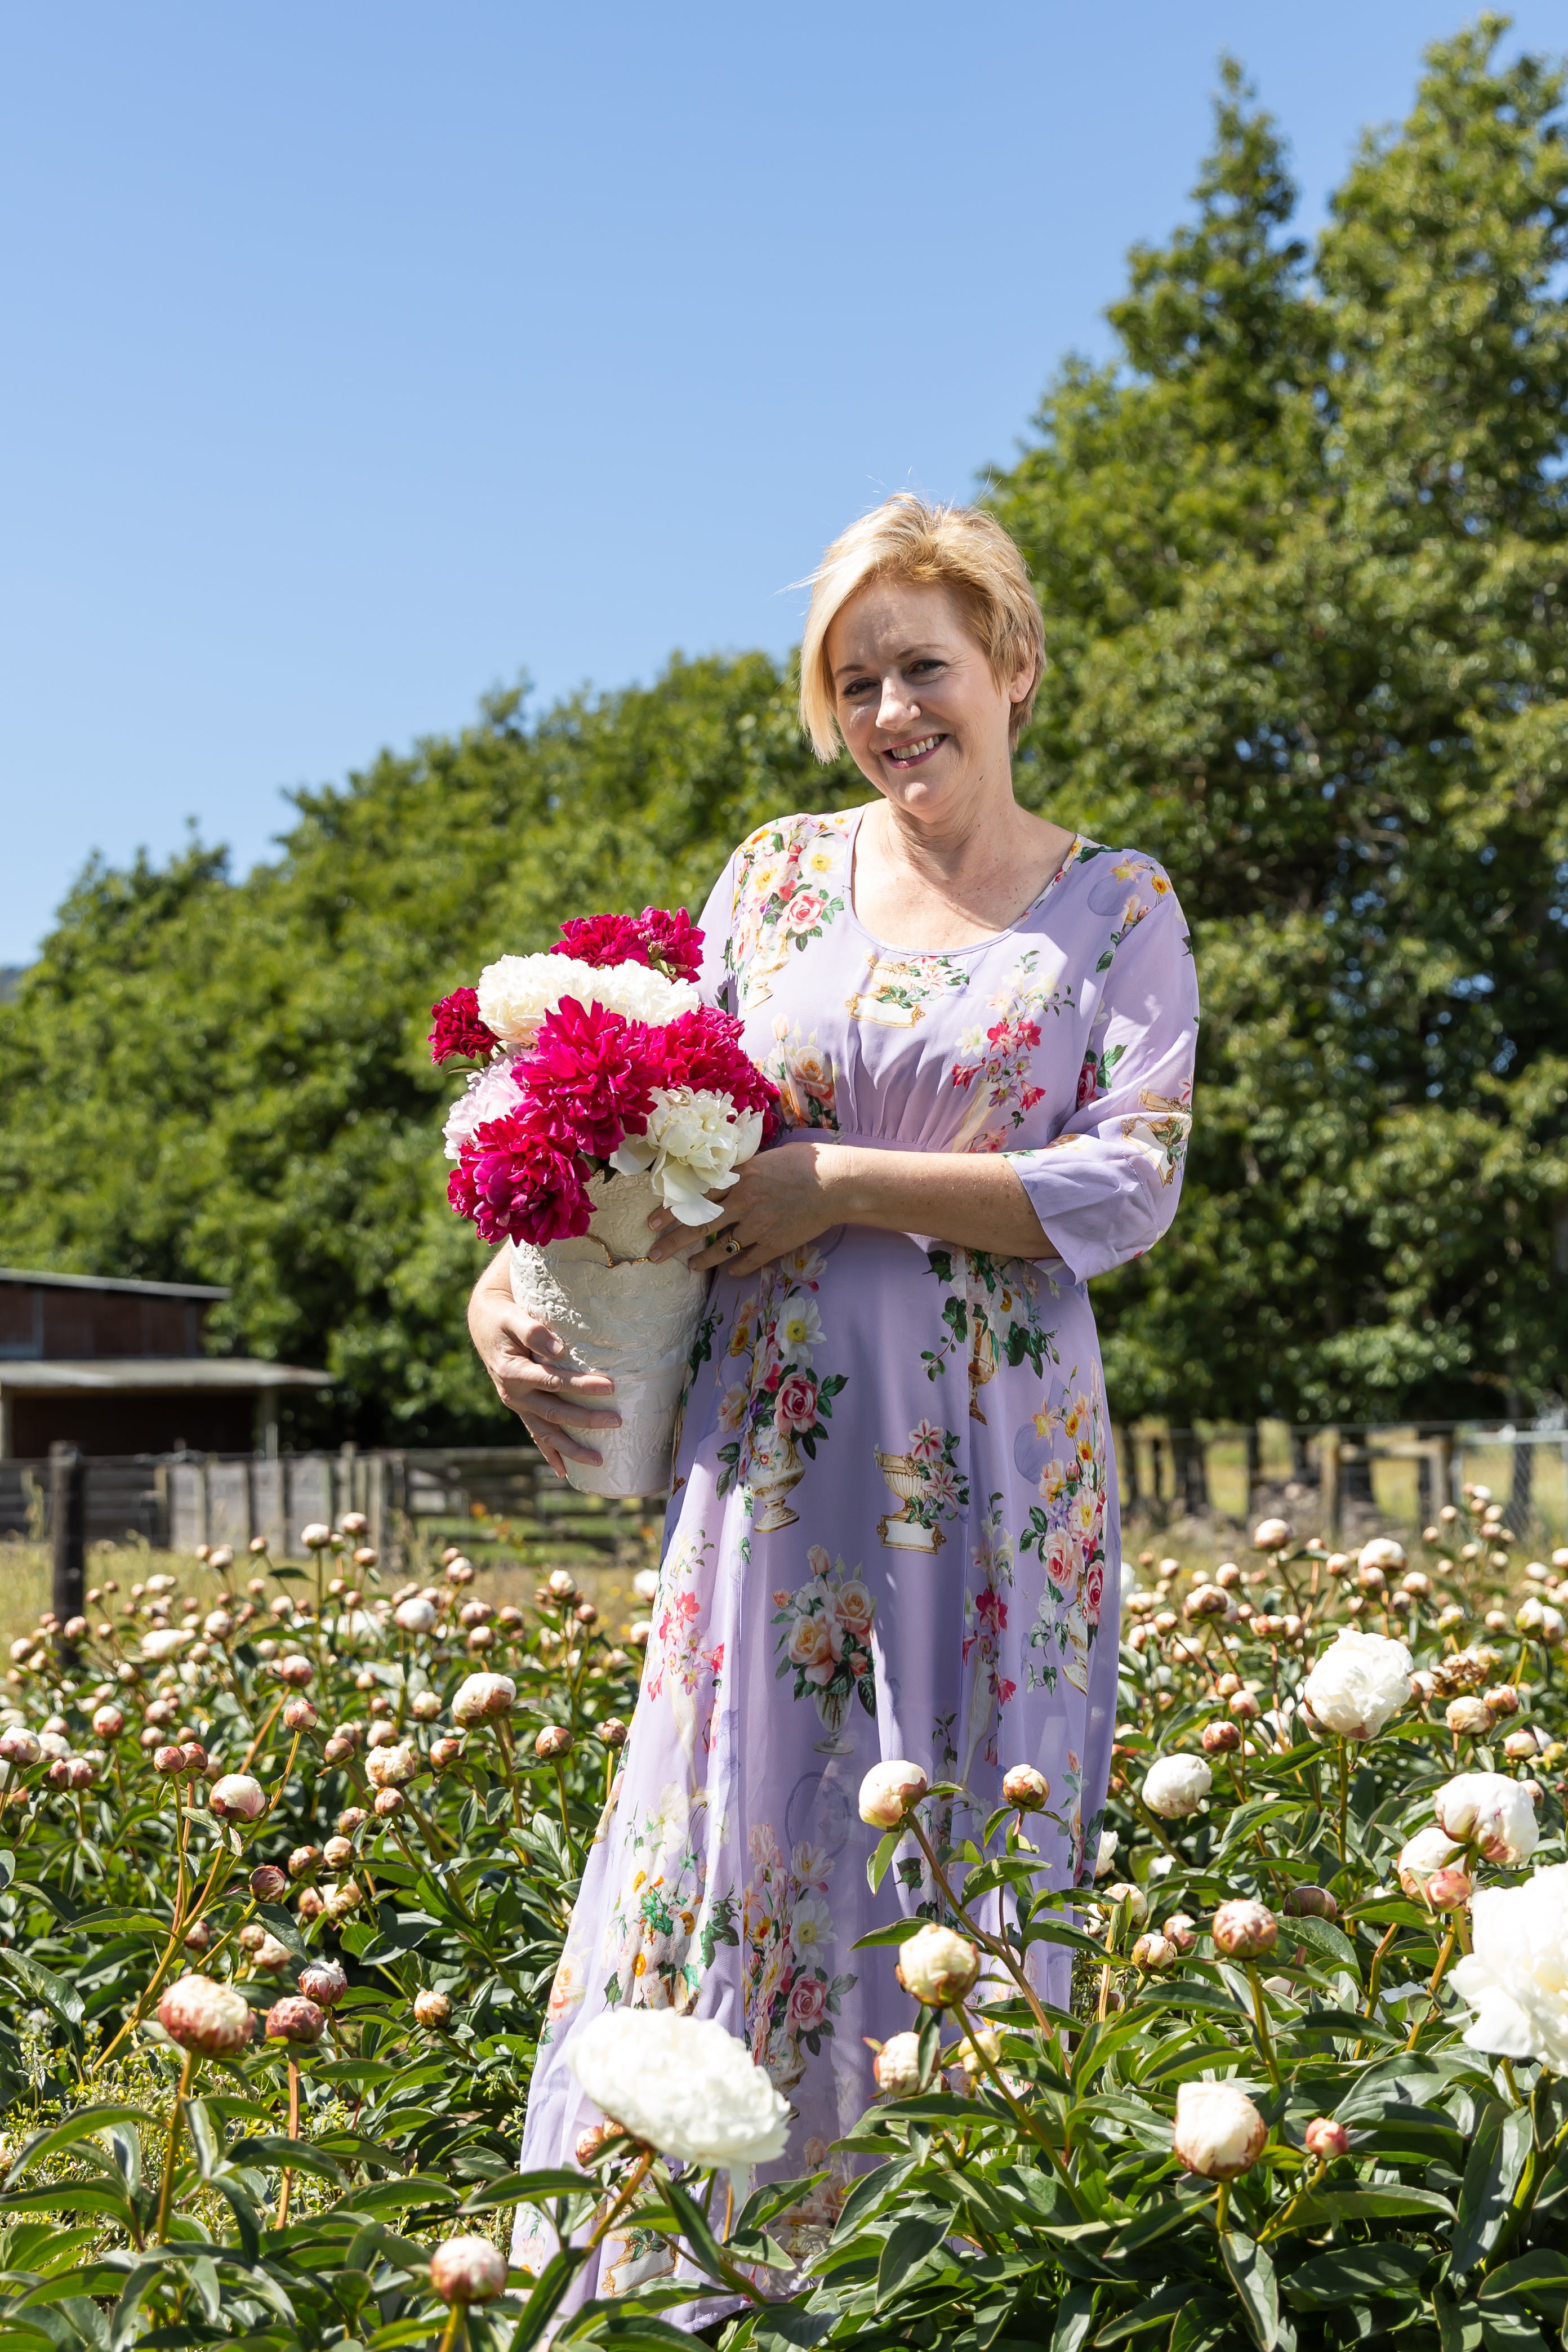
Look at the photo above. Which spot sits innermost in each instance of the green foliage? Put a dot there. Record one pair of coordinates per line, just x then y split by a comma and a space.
228, 1082
1302, 556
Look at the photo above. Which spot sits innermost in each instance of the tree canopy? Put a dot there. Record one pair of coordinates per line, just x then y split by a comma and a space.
1301, 547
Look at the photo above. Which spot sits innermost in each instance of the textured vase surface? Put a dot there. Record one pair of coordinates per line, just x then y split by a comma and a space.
618, 1313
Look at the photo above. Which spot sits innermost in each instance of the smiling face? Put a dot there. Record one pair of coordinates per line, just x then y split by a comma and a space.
922, 711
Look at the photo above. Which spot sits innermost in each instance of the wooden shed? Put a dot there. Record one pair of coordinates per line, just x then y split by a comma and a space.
119, 1368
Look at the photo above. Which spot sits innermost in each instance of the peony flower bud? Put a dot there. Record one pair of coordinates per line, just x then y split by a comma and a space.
1470, 1717
388, 1801
1272, 1535
896, 2067
424, 1706
1429, 1851
296, 2020
296, 1671
938, 1966
431, 2009
553, 1742
1181, 1930
267, 1883
270, 1956
1381, 1553
1309, 1903
323, 1981
1221, 1738
199, 1935
887, 1792
107, 1723
393, 1767
1022, 1786
211, 2018
238, 1797
484, 1698
1244, 1930
316, 1537
299, 1715
1448, 1890
443, 1753
414, 1615
1155, 1953
1326, 2139
308, 1904
613, 1732
303, 1860
355, 1523
1218, 2132
467, 2270
561, 1585
169, 1761
589, 2142
1175, 1786
19, 1746
338, 1747
338, 1853
1129, 1898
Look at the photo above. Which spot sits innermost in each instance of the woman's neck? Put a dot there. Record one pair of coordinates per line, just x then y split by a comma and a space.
950, 882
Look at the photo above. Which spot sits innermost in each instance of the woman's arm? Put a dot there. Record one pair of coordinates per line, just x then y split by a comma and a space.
519, 1352
785, 1198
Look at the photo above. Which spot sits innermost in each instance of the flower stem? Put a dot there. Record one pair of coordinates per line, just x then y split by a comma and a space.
1344, 1804
1221, 2206
288, 2181
613, 2212
177, 2117
998, 1951
1261, 2017
453, 2330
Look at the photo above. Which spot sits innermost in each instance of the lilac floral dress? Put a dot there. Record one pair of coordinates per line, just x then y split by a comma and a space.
894, 1530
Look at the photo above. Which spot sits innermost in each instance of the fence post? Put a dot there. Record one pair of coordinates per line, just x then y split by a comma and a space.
1329, 1480
67, 1529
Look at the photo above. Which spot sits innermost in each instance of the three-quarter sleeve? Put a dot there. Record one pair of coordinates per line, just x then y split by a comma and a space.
1107, 1186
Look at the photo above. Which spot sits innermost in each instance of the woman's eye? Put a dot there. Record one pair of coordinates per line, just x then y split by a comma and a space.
858, 685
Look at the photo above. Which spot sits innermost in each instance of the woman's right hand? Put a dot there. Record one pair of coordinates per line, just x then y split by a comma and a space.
521, 1355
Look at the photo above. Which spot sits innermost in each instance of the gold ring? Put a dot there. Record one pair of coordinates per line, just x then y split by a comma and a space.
731, 1247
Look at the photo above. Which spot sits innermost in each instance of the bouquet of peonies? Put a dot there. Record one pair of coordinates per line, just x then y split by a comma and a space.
604, 1086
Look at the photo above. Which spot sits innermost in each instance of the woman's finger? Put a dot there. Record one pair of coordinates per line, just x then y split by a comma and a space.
558, 1445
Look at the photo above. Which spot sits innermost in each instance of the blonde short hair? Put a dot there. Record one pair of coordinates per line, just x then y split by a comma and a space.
957, 548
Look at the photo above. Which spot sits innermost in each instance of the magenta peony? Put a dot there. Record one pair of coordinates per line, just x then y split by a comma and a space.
590, 1076
704, 1050
460, 1034
517, 1183
602, 941
673, 941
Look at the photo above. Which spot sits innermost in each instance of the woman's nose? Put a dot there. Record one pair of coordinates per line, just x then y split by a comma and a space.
895, 706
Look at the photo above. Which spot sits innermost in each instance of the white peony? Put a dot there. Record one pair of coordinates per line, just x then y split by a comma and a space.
1358, 1684
1105, 1854
692, 1145
681, 2085
1490, 1812
490, 1094
516, 992
163, 1640
1516, 1979
1381, 1552
1219, 2131
1421, 1857
1176, 1786
482, 1697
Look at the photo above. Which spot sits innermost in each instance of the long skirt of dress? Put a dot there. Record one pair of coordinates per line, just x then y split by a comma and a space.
893, 1526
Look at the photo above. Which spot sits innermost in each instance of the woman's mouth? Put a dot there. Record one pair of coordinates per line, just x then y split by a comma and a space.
910, 755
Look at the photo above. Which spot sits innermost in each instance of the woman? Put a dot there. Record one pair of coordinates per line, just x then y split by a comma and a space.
894, 1531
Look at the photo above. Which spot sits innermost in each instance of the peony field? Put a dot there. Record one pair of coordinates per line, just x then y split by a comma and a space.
287, 1878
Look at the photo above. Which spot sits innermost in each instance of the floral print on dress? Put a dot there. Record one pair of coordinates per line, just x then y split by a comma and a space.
931, 1486
825, 1644
1159, 1127
984, 1623
788, 890
896, 989
802, 1074
793, 1993
663, 1932
995, 1064
779, 1407
991, 1307
1067, 1438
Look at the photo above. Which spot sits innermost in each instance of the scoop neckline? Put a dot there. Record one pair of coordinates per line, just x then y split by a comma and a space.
975, 947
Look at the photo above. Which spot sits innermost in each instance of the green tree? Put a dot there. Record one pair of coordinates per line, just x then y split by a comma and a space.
228, 1081
1301, 549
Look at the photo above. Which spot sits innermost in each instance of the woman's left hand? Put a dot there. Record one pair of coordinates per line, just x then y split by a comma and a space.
780, 1200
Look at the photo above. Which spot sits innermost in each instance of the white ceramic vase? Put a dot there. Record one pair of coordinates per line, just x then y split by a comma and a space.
619, 1314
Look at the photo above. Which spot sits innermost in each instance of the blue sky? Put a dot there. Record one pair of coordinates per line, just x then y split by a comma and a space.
363, 357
